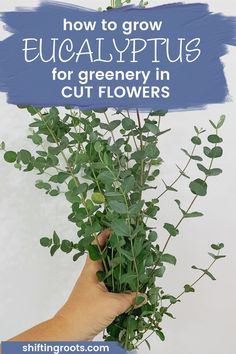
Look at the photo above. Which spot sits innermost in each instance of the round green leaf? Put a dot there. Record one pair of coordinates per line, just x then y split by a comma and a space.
46, 242
24, 156
152, 236
94, 252
128, 148
66, 246
152, 151
10, 156
198, 187
128, 124
196, 140
37, 140
214, 153
98, 146
138, 155
214, 139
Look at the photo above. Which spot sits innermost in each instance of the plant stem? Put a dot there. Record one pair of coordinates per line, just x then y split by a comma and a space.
196, 281
190, 206
129, 221
135, 143
180, 295
179, 223
77, 183
112, 273
140, 130
141, 148
108, 122
81, 147
180, 175
183, 217
127, 334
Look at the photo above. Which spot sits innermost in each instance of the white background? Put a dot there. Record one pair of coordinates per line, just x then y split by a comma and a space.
34, 285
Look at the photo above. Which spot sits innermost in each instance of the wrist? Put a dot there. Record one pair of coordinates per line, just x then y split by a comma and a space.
73, 324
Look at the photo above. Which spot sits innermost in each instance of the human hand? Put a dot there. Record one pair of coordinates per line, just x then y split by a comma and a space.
91, 308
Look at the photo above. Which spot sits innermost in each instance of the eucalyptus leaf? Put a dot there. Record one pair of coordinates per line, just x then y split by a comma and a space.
120, 227
168, 258
10, 156
198, 187
118, 207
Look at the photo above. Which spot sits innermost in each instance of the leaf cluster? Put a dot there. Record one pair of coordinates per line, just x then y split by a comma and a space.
103, 168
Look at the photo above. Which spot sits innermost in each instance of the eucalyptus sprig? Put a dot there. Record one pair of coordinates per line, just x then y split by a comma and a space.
104, 163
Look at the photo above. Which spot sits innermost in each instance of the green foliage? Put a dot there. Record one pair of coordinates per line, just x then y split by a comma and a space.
94, 253
10, 156
198, 187
103, 168
171, 229
45, 242
189, 289
103, 173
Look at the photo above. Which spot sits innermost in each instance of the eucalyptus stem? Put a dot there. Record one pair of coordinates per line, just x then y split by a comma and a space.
78, 184
195, 282
93, 172
190, 206
198, 279
141, 148
181, 173
108, 122
182, 218
129, 221
140, 130
179, 223
135, 143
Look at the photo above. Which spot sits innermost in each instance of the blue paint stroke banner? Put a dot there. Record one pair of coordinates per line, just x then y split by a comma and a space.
165, 57
61, 347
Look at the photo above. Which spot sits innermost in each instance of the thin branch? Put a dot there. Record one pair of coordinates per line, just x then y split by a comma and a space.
76, 182
141, 148
140, 130
180, 175
135, 143
179, 296
108, 122
196, 281
182, 218
190, 206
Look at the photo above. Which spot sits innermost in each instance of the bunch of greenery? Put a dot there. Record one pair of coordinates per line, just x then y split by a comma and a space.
104, 167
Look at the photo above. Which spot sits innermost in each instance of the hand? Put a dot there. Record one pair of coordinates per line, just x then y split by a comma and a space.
91, 308
88, 311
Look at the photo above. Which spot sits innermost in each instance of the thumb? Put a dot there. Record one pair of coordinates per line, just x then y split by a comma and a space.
126, 301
